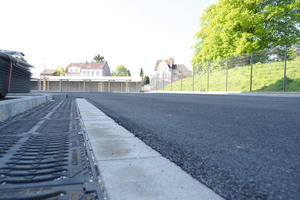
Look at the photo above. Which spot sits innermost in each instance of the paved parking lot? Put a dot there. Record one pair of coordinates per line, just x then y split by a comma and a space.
242, 147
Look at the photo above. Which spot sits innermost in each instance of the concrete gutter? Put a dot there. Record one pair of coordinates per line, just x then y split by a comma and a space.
14, 105
129, 169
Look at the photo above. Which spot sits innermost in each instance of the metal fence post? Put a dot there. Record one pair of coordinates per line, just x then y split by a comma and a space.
284, 77
251, 72
207, 76
181, 78
171, 78
226, 73
193, 77
163, 81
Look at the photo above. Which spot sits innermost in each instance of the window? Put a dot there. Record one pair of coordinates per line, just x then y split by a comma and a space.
92, 73
88, 73
97, 73
71, 70
175, 78
84, 73
76, 70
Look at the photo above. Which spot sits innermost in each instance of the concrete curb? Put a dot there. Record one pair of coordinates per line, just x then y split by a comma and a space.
20, 104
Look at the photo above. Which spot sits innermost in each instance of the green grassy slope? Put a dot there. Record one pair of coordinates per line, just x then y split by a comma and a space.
266, 77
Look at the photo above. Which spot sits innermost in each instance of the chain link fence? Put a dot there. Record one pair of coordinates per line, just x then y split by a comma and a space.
270, 70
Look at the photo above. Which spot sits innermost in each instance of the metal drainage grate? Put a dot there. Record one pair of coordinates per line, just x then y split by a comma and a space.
17, 126
6, 143
49, 163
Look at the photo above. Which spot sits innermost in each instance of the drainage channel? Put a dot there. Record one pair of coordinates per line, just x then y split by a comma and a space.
44, 156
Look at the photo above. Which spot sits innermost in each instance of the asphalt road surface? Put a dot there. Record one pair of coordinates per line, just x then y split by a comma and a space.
242, 147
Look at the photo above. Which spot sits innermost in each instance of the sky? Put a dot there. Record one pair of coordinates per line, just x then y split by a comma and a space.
133, 33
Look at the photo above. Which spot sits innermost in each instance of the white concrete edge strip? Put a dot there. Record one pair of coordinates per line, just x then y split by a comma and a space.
129, 169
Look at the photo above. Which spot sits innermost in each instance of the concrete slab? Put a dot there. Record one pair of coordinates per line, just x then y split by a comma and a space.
97, 118
121, 148
105, 133
92, 113
100, 124
151, 178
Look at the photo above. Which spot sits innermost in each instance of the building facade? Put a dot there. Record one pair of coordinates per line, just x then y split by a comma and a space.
48, 72
93, 69
166, 71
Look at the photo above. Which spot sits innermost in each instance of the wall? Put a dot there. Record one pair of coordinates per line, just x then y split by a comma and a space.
78, 86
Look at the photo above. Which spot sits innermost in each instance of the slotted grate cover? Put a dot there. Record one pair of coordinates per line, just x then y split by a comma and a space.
44, 157
6, 142
54, 126
18, 126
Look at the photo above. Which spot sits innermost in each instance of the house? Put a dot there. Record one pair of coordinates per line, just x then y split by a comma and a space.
48, 72
94, 69
167, 70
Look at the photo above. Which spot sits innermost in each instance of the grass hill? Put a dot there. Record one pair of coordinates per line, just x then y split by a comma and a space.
266, 77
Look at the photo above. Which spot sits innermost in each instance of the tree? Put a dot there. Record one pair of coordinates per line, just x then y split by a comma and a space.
60, 70
234, 27
121, 71
21, 58
146, 80
142, 73
99, 58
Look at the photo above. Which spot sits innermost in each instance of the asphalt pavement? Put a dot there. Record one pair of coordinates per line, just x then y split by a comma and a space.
242, 147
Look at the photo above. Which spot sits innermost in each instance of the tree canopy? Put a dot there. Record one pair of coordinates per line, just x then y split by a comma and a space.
233, 27
142, 73
146, 80
99, 58
60, 70
121, 71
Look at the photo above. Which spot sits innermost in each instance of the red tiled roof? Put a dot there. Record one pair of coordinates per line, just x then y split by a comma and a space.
169, 62
93, 65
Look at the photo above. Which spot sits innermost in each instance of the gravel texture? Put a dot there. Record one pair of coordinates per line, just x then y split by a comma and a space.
242, 147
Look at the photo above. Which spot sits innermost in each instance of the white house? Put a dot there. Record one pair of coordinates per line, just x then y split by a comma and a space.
93, 69
166, 69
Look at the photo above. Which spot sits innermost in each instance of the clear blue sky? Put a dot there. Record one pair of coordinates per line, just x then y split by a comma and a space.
133, 33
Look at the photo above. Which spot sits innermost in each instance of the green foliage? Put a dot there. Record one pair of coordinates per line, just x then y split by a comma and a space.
234, 27
99, 58
265, 77
21, 58
142, 73
121, 71
60, 70
146, 80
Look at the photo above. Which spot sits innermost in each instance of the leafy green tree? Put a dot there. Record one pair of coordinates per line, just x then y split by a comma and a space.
99, 58
60, 70
21, 58
121, 71
234, 27
142, 73
146, 80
